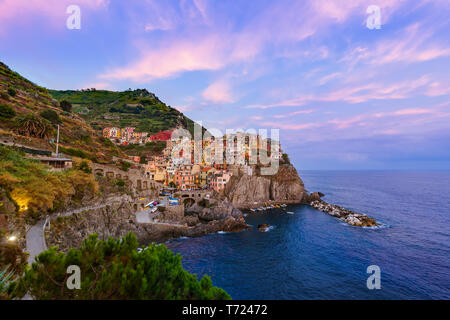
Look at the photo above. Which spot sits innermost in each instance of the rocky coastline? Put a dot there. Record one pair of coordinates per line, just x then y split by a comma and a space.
221, 213
116, 220
348, 216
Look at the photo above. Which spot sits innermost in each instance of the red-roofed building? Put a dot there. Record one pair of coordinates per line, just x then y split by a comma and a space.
162, 136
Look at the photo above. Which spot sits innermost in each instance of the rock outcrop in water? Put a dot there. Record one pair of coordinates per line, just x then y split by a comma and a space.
263, 227
245, 191
348, 216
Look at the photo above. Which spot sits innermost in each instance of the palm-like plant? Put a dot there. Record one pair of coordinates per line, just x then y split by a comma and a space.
33, 126
4, 279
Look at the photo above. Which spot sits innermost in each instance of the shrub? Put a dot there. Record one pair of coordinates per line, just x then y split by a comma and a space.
33, 126
124, 166
13, 255
4, 96
34, 189
5, 275
51, 116
74, 152
114, 269
12, 92
6, 111
66, 106
286, 158
120, 182
84, 166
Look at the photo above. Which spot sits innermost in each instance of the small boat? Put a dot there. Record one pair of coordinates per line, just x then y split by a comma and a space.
290, 212
283, 205
252, 210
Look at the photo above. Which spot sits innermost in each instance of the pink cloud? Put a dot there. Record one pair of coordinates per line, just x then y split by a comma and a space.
222, 46
409, 46
218, 92
345, 123
172, 58
407, 112
359, 93
290, 114
284, 126
17, 12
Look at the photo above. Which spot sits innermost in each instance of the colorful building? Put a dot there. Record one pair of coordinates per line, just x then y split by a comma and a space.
219, 181
162, 136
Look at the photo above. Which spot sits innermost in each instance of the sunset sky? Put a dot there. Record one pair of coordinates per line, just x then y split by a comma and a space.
342, 95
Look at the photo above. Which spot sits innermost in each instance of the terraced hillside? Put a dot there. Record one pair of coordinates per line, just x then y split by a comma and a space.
132, 108
29, 116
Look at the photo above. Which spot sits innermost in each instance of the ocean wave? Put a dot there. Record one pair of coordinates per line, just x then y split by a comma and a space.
381, 226
269, 228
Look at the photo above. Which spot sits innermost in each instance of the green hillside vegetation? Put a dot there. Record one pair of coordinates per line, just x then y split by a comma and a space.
29, 115
114, 269
35, 190
132, 108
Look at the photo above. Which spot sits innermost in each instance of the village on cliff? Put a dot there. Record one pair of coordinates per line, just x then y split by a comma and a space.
180, 166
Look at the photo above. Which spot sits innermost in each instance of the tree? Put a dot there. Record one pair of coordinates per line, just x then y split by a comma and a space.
12, 92
114, 269
51, 116
66, 105
286, 158
6, 111
4, 280
33, 126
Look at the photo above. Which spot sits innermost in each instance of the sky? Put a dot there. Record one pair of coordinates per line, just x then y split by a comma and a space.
344, 96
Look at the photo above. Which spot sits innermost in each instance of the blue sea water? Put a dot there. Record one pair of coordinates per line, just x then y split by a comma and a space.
311, 255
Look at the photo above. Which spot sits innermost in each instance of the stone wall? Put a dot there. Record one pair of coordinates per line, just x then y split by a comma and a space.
139, 182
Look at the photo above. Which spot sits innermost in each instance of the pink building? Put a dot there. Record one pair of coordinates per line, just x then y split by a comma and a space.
219, 180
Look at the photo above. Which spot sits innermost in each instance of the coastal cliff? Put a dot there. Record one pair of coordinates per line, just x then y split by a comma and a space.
245, 191
116, 220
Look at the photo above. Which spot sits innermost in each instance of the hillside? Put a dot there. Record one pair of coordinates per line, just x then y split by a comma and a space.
29, 116
23, 102
132, 108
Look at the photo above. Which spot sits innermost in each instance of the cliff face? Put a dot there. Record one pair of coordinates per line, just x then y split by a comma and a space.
285, 186
116, 220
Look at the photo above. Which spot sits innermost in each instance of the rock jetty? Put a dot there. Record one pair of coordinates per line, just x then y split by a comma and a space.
348, 216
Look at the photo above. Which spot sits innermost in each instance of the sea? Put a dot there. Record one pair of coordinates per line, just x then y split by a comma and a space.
311, 255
